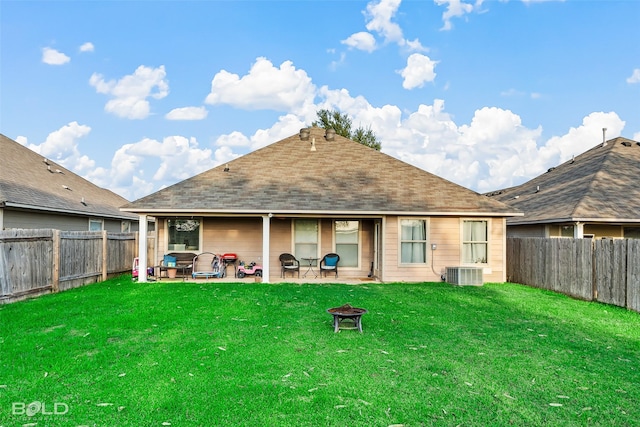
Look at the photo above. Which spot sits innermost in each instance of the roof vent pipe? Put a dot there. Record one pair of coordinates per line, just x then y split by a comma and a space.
604, 137
330, 134
304, 134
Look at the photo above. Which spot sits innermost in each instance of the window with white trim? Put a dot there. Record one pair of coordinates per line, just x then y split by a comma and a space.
567, 230
125, 226
413, 241
475, 241
305, 232
347, 238
95, 225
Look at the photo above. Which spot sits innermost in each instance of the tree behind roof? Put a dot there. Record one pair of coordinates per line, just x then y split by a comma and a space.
341, 123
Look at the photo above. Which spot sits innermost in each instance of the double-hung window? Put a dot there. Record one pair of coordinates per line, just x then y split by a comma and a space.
413, 241
347, 242
305, 238
475, 241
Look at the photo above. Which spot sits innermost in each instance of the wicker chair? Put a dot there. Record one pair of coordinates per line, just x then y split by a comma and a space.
289, 262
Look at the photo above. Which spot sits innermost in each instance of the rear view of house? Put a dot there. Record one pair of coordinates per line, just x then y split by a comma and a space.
315, 193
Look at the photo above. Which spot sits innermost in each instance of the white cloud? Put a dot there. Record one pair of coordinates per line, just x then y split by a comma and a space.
455, 9
361, 41
264, 87
150, 163
130, 93
635, 76
416, 46
61, 146
379, 17
187, 113
419, 69
53, 57
87, 47
579, 139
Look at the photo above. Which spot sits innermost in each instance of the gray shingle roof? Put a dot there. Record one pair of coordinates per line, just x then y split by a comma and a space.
601, 184
26, 181
340, 176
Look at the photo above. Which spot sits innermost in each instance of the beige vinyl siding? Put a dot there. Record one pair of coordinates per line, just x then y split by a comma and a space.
445, 233
242, 236
496, 270
393, 269
281, 242
602, 230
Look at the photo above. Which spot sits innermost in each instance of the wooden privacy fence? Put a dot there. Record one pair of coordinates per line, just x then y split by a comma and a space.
35, 262
604, 270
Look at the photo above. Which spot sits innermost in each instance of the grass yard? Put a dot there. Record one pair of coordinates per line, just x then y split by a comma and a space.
119, 353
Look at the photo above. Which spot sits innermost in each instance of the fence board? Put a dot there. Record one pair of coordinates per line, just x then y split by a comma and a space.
633, 275
611, 275
604, 270
25, 257
33, 262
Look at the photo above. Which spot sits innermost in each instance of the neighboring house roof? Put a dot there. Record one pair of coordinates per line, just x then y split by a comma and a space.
29, 181
600, 185
340, 176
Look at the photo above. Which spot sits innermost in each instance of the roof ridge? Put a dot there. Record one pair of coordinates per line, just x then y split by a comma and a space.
592, 182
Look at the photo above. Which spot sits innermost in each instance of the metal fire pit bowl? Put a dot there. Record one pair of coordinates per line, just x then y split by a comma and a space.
352, 315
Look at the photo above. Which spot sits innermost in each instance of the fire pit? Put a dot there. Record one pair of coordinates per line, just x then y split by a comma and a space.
346, 312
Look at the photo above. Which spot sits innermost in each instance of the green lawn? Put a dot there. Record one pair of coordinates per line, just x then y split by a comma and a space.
217, 354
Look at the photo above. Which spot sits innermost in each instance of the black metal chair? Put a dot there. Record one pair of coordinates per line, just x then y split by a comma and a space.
329, 263
288, 262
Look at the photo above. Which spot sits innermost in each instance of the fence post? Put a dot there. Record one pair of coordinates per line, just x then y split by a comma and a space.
105, 258
55, 277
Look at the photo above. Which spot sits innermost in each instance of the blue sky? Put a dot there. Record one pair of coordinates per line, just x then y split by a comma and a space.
138, 95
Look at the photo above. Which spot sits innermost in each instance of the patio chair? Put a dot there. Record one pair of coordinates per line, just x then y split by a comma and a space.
329, 263
208, 265
289, 262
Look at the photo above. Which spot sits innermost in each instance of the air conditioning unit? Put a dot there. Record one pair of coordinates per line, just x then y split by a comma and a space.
465, 276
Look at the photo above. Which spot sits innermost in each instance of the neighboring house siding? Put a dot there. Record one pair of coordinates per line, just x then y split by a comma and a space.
36, 220
526, 231
600, 231
23, 219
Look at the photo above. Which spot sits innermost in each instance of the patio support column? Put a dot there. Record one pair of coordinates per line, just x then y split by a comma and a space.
266, 243
578, 230
142, 248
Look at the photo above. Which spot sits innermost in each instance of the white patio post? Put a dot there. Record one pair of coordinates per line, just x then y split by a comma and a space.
266, 242
142, 248
578, 230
